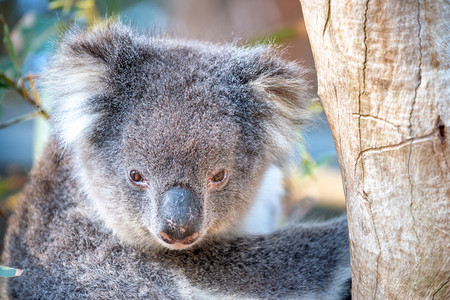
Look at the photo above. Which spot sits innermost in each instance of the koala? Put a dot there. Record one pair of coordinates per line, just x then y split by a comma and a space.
157, 152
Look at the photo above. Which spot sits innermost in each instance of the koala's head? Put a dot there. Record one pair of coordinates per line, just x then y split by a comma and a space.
170, 138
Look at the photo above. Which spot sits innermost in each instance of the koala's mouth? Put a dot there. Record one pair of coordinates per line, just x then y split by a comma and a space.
176, 244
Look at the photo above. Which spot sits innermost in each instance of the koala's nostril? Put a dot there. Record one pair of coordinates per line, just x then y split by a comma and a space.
169, 240
166, 238
190, 239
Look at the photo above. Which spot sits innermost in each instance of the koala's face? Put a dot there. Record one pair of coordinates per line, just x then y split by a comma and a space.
172, 137
186, 169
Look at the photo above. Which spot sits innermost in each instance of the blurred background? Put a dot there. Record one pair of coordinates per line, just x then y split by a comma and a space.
30, 30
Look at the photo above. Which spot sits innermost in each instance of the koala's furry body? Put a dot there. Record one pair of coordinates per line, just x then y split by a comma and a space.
177, 113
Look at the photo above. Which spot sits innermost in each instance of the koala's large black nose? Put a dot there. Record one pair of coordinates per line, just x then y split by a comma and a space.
181, 216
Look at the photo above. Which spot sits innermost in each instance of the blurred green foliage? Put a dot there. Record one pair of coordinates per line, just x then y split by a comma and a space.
33, 34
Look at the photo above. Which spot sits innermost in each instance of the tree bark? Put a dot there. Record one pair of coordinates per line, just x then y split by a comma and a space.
384, 81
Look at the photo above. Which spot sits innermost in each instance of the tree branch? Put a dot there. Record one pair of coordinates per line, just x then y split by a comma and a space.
22, 90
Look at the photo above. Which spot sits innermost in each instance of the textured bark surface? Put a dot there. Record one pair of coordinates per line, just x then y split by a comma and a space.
384, 81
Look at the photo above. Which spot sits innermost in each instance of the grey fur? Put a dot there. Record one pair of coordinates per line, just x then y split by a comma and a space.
177, 112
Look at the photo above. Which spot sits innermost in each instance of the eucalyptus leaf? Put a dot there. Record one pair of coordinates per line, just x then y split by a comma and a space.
6, 66
3, 84
10, 47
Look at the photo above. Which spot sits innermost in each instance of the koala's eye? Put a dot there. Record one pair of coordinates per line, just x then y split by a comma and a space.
137, 179
135, 176
219, 177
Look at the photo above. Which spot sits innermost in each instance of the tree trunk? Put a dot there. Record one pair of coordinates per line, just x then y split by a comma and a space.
384, 81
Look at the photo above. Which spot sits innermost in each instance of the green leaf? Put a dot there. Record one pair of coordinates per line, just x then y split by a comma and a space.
6, 66
6, 82
3, 85
9, 46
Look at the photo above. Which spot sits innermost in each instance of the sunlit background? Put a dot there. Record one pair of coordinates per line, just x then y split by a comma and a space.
313, 190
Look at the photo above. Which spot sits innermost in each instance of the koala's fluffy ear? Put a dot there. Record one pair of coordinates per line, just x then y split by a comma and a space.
76, 75
285, 87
